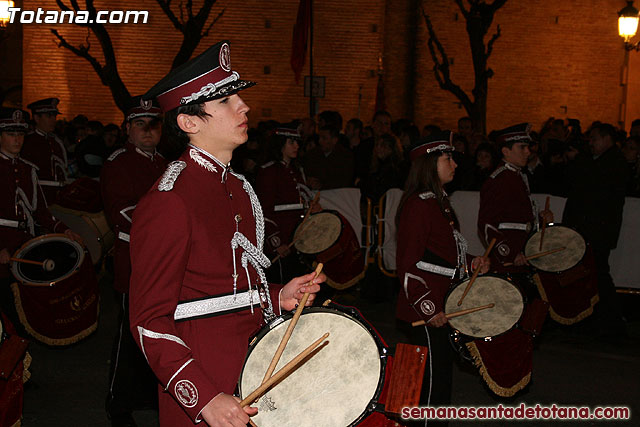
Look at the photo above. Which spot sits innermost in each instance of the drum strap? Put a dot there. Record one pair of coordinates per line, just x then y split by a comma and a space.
289, 207
46, 183
124, 236
216, 305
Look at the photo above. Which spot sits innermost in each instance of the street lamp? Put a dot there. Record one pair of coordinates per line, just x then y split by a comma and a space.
628, 25
4, 12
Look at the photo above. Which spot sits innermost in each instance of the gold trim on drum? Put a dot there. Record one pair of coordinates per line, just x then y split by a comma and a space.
554, 314
556, 236
495, 387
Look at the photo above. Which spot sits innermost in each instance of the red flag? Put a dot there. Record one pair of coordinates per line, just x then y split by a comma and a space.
300, 38
381, 104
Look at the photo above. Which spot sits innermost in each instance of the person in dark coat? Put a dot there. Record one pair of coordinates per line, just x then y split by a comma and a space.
596, 184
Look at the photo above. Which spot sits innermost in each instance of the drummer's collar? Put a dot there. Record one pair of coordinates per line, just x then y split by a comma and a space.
144, 153
196, 154
512, 167
7, 156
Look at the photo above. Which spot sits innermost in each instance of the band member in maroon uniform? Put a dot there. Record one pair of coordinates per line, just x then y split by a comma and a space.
280, 186
126, 176
431, 255
198, 289
43, 148
23, 210
507, 212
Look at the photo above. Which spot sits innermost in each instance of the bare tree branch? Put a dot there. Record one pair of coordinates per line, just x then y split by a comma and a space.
205, 33
493, 39
166, 8
81, 51
464, 11
190, 9
497, 4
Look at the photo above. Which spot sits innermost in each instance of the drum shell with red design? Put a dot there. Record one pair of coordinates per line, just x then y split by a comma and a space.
57, 307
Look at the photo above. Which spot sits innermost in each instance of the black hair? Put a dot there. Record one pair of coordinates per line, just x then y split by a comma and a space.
171, 122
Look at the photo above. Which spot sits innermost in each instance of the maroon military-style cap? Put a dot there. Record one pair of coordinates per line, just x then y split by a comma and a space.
13, 119
514, 134
207, 76
47, 105
438, 141
138, 107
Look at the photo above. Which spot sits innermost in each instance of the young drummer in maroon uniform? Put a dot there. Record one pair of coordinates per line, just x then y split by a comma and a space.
198, 290
22, 206
126, 176
43, 148
431, 256
507, 212
279, 186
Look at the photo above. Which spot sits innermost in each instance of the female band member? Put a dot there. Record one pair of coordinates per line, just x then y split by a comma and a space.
431, 256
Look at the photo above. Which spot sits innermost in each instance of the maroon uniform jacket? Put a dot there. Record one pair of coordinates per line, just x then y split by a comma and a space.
195, 234
506, 213
22, 205
126, 176
277, 187
47, 152
426, 240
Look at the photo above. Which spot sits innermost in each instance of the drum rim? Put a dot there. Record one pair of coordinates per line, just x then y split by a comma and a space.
353, 313
505, 277
558, 224
53, 237
325, 211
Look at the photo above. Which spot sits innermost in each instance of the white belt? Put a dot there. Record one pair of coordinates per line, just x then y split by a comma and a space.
514, 226
51, 183
123, 236
289, 207
216, 305
9, 223
437, 269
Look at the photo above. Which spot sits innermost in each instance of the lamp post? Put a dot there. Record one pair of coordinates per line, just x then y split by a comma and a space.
628, 25
4, 12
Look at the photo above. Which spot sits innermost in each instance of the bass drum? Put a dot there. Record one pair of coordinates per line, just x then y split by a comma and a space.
57, 307
327, 237
338, 386
567, 279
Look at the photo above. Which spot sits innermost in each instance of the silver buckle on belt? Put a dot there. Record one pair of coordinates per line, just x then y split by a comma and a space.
10, 223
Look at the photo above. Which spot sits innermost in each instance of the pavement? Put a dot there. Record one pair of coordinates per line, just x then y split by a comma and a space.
571, 367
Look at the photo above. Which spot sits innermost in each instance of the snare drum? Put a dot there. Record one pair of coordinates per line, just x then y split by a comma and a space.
567, 280
491, 338
338, 386
329, 238
60, 306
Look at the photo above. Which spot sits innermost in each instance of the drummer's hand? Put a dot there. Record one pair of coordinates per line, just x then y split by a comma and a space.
5, 256
439, 320
547, 216
225, 410
293, 291
314, 183
74, 236
520, 259
316, 207
481, 262
283, 251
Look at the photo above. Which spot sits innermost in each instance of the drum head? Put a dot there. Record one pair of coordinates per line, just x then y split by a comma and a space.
490, 322
556, 236
65, 253
318, 233
333, 388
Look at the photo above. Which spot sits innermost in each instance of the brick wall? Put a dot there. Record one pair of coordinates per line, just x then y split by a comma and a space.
559, 59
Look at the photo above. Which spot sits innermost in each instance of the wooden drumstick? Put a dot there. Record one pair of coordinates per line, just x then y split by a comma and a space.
47, 264
286, 370
289, 331
539, 254
457, 313
296, 240
544, 223
475, 273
